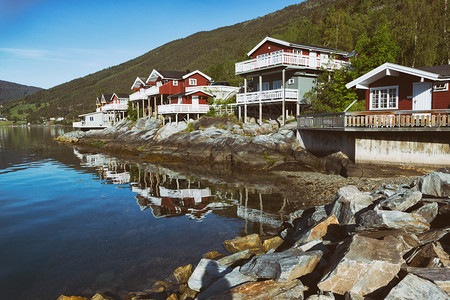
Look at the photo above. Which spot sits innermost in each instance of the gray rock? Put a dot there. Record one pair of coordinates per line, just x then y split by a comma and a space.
440, 276
349, 201
231, 259
429, 255
401, 200
428, 211
282, 266
318, 231
263, 290
206, 272
407, 240
362, 265
435, 184
320, 297
413, 287
432, 235
374, 220
229, 281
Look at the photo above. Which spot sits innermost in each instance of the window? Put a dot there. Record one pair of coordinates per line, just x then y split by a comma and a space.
277, 52
384, 97
277, 84
440, 87
262, 55
91, 118
192, 81
175, 83
291, 81
180, 100
297, 51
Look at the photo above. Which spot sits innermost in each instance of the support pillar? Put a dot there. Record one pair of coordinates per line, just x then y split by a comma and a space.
137, 109
176, 119
260, 100
283, 108
245, 99
143, 108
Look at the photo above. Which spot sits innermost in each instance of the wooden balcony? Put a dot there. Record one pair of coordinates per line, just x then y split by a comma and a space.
268, 96
405, 120
288, 59
183, 109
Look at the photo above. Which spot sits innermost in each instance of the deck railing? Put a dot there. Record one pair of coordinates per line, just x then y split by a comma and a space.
368, 119
183, 108
266, 96
292, 59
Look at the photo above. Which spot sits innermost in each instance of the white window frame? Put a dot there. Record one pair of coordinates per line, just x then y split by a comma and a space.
180, 100
291, 81
175, 83
276, 52
379, 89
192, 81
437, 88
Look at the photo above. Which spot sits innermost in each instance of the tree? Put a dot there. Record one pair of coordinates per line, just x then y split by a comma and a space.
374, 51
330, 94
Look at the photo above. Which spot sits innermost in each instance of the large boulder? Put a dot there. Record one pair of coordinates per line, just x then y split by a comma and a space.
435, 184
206, 272
282, 266
413, 287
251, 241
182, 274
229, 281
317, 231
401, 200
374, 220
231, 259
428, 211
263, 290
362, 265
429, 255
349, 201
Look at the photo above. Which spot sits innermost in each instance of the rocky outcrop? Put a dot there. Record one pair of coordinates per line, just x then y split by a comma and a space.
413, 287
435, 184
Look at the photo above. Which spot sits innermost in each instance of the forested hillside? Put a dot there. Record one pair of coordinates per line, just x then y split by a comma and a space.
11, 90
417, 27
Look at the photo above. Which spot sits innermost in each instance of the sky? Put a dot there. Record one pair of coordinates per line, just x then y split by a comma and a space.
45, 43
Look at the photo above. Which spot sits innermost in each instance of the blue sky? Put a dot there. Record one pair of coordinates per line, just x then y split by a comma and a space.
48, 42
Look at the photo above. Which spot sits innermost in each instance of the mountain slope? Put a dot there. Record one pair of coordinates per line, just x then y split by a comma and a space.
11, 90
419, 27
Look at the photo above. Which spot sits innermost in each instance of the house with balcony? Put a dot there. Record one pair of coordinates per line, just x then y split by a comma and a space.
279, 73
111, 108
176, 94
406, 120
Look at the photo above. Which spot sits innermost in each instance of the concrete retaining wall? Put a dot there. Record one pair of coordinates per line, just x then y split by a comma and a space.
407, 148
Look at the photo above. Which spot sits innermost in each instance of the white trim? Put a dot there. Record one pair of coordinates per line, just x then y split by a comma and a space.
154, 72
192, 81
175, 83
119, 98
444, 89
134, 83
197, 72
287, 44
199, 91
388, 68
387, 88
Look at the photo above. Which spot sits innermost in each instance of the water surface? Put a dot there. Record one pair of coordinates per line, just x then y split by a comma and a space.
74, 222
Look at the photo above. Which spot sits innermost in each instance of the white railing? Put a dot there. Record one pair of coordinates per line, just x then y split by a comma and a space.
154, 90
266, 96
77, 124
286, 58
113, 106
140, 95
183, 108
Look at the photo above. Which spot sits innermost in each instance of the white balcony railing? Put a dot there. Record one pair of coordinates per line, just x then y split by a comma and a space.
139, 95
289, 59
154, 90
268, 96
113, 106
183, 108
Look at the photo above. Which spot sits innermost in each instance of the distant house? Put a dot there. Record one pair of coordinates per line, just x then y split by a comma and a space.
280, 74
393, 87
111, 108
175, 93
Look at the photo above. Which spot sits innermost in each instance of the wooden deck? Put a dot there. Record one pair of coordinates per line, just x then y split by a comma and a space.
406, 120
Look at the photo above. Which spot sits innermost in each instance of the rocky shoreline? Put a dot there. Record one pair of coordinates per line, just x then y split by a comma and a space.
221, 142
391, 243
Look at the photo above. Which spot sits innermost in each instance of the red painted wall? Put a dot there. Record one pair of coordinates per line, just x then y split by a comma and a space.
440, 100
200, 80
265, 48
170, 89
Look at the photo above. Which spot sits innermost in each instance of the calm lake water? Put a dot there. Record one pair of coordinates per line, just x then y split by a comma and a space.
73, 222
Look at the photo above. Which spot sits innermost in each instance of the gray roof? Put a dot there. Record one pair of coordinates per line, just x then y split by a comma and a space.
172, 74
443, 70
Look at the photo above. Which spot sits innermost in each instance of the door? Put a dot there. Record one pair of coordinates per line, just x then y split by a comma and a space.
421, 96
195, 100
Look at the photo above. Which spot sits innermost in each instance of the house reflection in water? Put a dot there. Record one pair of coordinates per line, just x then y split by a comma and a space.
167, 193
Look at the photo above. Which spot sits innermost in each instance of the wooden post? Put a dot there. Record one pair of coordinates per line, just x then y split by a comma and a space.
283, 117
259, 98
245, 99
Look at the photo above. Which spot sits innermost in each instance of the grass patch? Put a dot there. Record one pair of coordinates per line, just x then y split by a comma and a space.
98, 144
6, 123
267, 156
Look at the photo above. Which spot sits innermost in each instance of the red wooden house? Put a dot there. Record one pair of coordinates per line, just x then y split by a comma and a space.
392, 87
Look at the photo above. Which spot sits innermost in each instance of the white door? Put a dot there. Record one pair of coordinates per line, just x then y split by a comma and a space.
195, 100
421, 96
